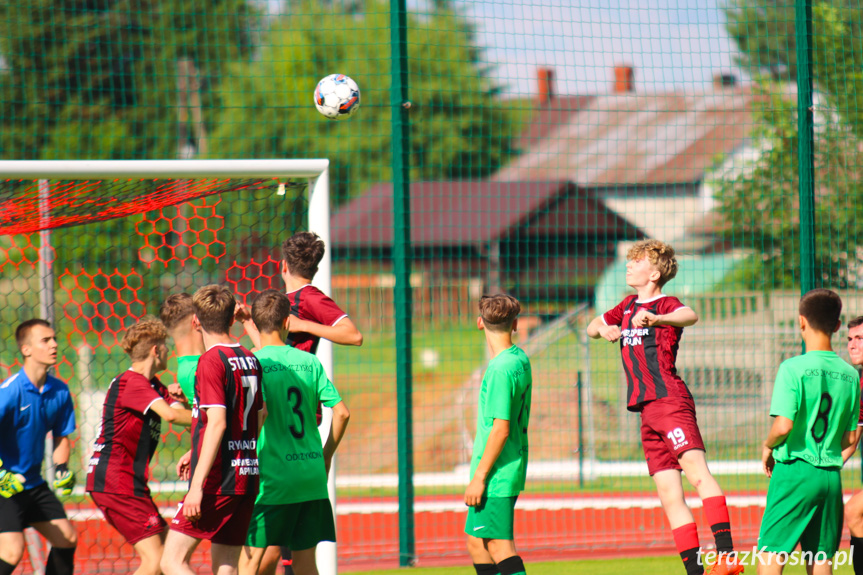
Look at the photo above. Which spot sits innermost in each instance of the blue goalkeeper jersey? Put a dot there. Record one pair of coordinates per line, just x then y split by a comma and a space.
26, 416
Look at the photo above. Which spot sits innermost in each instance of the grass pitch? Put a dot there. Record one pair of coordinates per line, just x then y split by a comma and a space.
655, 565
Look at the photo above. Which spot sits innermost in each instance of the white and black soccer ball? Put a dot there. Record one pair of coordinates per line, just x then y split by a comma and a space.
337, 96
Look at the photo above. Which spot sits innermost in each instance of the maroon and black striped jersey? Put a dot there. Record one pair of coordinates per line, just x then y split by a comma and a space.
649, 354
229, 376
860, 417
127, 437
312, 304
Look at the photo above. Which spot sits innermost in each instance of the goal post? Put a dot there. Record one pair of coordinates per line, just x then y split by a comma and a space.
315, 171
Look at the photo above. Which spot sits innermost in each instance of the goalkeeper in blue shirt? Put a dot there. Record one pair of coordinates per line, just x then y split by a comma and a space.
32, 403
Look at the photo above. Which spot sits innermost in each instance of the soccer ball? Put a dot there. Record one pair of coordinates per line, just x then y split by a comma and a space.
337, 96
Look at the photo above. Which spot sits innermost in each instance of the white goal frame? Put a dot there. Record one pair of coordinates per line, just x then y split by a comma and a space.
316, 172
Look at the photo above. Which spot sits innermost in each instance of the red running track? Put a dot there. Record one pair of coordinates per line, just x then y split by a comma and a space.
547, 528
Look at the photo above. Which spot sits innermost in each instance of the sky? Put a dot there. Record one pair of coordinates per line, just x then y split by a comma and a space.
672, 44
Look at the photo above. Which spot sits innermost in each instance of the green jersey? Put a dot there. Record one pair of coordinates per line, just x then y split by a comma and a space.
505, 394
186, 367
290, 454
820, 393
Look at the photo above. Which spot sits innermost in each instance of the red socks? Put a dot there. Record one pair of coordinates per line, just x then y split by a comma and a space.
716, 512
686, 540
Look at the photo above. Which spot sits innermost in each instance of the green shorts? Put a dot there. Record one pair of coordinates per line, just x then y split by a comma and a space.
804, 504
492, 518
298, 526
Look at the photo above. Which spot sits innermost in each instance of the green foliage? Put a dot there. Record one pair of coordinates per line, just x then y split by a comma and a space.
459, 128
764, 33
760, 203
98, 78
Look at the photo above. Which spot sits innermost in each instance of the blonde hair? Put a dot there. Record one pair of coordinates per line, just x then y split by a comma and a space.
214, 308
141, 337
659, 254
498, 311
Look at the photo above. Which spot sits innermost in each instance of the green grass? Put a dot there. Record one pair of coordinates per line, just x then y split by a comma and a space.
654, 565
460, 349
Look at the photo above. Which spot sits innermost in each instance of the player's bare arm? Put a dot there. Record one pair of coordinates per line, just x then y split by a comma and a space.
262, 416
597, 329
683, 317
341, 416
243, 314
173, 415
62, 450
343, 333
496, 440
855, 440
849, 440
779, 431
184, 466
64, 478
177, 395
216, 425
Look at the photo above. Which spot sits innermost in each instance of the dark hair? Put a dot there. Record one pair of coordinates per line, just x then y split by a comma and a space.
175, 309
214, 307
270, 310
141, 337
855, 322
303, 252
821, 308
22, 332
498, 311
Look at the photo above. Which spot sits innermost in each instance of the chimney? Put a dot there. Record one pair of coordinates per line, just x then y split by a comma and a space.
624, 79
545, 78
722, 80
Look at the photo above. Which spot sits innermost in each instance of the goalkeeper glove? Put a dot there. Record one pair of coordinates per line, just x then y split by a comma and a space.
64, 480
9, 483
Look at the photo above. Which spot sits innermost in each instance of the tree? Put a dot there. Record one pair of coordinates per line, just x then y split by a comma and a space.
98, 79
460, 128
760, 206
764, 33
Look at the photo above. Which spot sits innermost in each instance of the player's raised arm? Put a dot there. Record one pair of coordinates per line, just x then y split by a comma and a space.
597, 329
343, 333
681, 317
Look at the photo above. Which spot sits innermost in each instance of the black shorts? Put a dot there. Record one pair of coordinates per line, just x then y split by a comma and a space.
31, 506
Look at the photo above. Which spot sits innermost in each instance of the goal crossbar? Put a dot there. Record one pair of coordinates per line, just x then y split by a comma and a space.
106, 169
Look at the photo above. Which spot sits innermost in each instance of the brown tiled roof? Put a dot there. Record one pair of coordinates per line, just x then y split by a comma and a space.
634, 139
472, 213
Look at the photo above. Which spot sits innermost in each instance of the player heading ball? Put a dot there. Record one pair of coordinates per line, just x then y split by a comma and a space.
649, 325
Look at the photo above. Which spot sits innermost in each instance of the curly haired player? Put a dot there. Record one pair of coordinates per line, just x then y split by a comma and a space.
648, 326
119, 469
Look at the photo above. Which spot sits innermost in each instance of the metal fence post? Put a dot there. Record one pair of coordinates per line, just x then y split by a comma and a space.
806, 134
401, 267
